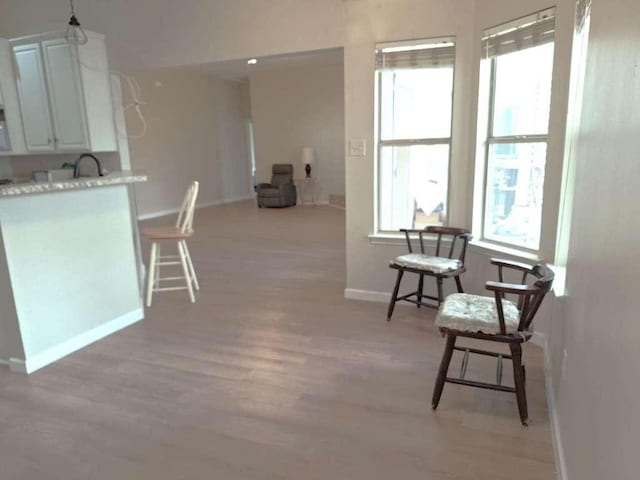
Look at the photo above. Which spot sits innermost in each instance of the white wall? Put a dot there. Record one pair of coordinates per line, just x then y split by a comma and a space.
232, 144
598, 324
160, 33
195, 132
297, 107
369, 22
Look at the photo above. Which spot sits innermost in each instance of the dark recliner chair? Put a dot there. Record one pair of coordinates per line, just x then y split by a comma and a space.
281, 192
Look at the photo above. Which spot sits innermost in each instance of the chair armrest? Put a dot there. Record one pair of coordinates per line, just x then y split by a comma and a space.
263, 185
523, 267
288, 193
514, 288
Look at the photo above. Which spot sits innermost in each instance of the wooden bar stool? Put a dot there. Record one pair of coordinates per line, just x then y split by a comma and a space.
179, 234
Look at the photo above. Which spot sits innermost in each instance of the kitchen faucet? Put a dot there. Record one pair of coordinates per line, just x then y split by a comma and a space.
76, 166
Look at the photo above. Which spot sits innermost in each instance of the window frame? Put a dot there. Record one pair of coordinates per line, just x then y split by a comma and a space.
486, 138
409, 142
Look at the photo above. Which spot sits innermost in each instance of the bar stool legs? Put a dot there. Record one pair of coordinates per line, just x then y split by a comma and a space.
157, 261
187, 271
151, 274
183, 229
190, 263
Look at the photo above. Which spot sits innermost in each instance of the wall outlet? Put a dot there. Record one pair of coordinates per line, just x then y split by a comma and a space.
357, 147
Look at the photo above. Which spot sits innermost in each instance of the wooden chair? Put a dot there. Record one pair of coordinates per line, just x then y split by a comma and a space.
179, 234
494, 319
435, 266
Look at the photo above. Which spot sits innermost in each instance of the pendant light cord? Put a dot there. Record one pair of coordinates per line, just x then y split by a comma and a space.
132, 86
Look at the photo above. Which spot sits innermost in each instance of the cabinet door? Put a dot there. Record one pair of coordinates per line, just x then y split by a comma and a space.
65, 93
32, 91
10, 101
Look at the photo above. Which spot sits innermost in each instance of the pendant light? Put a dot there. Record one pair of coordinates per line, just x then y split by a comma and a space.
75, 34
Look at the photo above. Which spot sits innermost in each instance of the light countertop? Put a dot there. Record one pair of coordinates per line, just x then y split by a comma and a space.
30, 188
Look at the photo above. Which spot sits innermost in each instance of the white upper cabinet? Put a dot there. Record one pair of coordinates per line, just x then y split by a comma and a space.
33, 98
65, 94
13, 141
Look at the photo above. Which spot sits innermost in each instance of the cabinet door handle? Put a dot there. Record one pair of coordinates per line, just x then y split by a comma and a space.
48, 140
55, 139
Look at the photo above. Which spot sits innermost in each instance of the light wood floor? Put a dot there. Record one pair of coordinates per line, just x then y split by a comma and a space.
272, 374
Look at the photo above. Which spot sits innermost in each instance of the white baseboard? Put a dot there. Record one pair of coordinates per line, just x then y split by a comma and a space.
241, 198
367, 295
558, 449
173, 211
52, 354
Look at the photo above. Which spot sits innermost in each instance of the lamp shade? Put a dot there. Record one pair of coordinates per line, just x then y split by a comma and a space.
307, 157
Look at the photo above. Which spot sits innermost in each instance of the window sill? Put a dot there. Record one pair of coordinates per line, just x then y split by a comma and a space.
400, 239
560, 281
387, 239
490, 249
483, 248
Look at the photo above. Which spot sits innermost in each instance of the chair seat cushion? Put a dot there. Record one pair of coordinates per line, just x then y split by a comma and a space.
421, 261
474, 313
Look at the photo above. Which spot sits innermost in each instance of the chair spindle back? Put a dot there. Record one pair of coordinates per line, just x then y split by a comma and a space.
185, 217
442, 235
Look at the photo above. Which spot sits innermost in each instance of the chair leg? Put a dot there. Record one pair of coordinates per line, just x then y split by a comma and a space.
442, 372
151, 274
187, 274
196, 285
440, 295
518, 377
420, 290
459, 284
394, 296
158, 260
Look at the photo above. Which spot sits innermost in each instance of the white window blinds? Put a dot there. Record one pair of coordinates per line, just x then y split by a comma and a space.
416, 54
527, 32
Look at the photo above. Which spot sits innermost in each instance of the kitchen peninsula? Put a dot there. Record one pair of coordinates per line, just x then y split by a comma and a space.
69, 266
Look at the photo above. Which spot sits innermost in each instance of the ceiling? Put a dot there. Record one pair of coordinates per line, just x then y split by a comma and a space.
238, 70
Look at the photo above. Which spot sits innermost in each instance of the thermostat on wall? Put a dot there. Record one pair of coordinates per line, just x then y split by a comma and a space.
357, 147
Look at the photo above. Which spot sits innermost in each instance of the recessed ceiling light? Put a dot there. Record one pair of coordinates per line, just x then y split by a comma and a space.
252, 61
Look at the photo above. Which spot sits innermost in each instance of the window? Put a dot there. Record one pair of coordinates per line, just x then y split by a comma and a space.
414, 85
517, 67
574, 114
